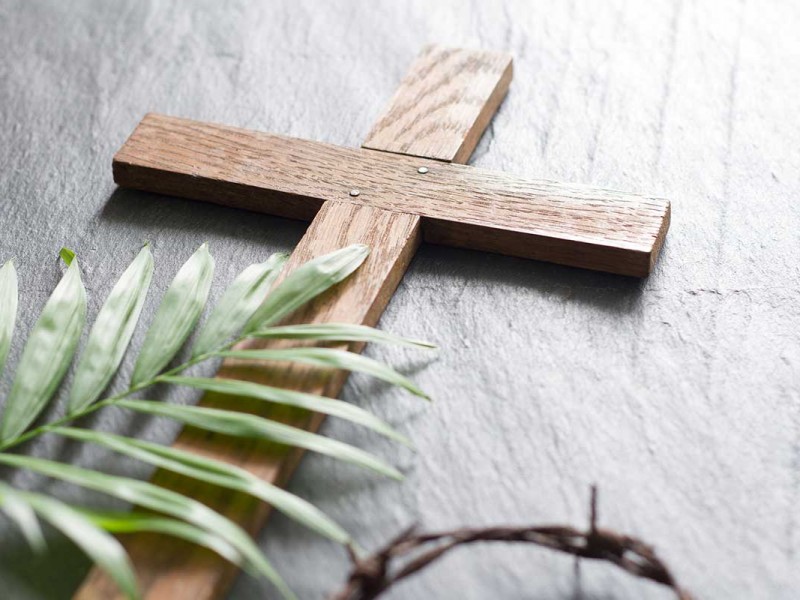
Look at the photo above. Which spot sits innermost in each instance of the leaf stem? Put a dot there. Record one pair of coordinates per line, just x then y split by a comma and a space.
42, 429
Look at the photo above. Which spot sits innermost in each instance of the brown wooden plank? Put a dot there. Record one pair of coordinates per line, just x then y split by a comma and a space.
169, 569
461, 206
443, 104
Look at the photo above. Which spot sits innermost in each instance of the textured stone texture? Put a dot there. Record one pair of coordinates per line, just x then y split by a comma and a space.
677, 394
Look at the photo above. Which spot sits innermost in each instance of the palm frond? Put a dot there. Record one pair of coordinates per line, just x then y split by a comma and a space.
216, 472
129, 522
8, 316
306, 283
337, 332
248, 308
112, 332
98, 545
332, 359
47, 355
238, 303
177, 315
148, 495
239, 424
312, 402
12, 502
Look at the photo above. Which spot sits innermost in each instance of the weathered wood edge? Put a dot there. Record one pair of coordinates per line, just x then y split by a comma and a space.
455, 131
575, 225
170, 569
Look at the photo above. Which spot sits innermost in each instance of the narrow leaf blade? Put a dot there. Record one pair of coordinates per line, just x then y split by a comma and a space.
101, 547
21, 512
330, 358
238, 303
153, 497
47, 354
215, 472
123, 522
306, 282
176, 316
112, 332
337, 332
321, 404
247, 425
8, 309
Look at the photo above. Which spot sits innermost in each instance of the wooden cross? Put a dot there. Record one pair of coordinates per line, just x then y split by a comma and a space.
403, 186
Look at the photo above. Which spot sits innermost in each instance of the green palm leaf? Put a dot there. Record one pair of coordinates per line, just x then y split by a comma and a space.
306, 282
47, 355
102, 548
112, 332
248, 308
216, 472
238, 303
21, 512
176, 316
337, 332
8, 316
151, 496
124, 522
330, 358
246, 425
320, 404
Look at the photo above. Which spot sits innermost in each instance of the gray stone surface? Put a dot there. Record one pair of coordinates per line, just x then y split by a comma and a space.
678, 395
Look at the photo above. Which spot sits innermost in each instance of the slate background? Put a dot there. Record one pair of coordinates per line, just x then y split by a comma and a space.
677, 394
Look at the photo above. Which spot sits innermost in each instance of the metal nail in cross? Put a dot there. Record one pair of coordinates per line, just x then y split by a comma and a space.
403, 186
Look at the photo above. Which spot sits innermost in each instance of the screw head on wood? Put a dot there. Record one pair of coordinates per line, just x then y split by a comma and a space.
354, 193
422, 170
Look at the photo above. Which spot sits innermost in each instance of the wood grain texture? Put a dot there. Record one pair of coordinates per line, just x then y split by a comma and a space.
460, 205
677, 394
443, 104
169, 569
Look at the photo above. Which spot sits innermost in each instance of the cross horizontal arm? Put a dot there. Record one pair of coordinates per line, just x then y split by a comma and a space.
459, 205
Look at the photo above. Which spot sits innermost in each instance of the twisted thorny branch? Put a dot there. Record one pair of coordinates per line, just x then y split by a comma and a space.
373, 575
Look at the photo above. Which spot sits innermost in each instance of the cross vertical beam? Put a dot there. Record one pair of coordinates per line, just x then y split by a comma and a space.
443, 105
441, 110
